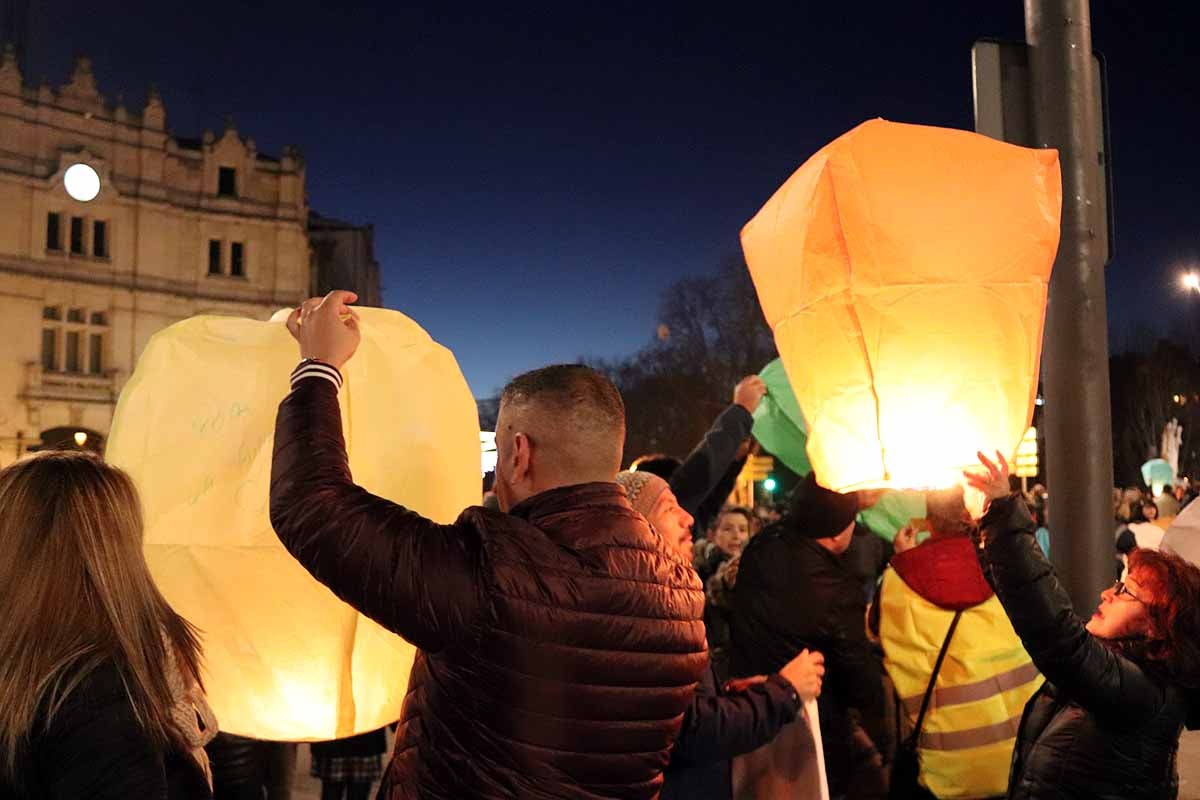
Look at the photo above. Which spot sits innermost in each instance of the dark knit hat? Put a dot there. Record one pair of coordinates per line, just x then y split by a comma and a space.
818, 513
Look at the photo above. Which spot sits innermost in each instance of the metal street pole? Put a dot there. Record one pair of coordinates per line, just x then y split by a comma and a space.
1078, 417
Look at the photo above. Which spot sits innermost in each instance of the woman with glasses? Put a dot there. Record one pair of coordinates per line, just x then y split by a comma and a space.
1119, 688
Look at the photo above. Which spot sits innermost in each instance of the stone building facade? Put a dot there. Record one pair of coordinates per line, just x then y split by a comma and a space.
179, 227
344, 258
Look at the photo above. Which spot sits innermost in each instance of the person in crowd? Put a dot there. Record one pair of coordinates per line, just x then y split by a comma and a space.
654, 500
1119, 688
725, 541
1130, 503
1184, 493
795, 593
733, 529
100, 692
721, 722
251, 769
1126, 543
348, 767
1136, 535
715, 560
966, 741
694, 479
1166, 505
705, 479
867, 557
1042, 532
718, 612
1149, 511
559, 640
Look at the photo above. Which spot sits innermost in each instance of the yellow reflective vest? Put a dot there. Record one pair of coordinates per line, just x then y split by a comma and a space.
966, 743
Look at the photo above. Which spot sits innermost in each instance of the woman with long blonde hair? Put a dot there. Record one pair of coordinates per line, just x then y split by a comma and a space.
100, 693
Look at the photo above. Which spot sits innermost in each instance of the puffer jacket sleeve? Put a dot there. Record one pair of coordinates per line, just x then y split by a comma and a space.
1077, 663
717, 727
413, 576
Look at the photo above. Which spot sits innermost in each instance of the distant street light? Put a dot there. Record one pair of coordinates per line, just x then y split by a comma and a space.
1191, 282
769, 484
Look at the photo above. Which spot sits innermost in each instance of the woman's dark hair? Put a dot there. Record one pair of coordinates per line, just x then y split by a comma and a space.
1174, 644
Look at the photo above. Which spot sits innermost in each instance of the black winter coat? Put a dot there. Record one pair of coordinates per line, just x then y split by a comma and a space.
96, 748
559, 644
792, 594
1102, 726
719, 726
705, 468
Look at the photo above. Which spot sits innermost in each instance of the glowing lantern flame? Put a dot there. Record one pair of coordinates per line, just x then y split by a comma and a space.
904, 271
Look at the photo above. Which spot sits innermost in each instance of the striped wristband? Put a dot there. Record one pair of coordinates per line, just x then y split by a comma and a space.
312, 368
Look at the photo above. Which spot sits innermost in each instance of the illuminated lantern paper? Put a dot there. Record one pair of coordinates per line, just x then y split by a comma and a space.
1026, 463
894, 510
904, 270
778, 423
1158, 474
284, 658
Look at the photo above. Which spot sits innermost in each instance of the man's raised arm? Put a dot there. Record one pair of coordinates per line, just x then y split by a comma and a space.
412, 575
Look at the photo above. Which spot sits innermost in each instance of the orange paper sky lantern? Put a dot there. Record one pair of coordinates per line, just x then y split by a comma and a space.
904, 271
284, 658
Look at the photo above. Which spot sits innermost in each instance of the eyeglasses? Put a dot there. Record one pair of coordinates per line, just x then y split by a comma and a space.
1119, 588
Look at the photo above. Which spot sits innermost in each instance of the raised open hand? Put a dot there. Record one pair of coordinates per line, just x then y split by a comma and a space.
993, 482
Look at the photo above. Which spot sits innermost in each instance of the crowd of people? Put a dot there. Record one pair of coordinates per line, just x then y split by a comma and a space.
594, 632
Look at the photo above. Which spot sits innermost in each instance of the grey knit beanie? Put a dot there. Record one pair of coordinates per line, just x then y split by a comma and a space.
643, 489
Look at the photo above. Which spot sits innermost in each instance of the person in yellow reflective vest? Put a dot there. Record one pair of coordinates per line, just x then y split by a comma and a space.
966, 741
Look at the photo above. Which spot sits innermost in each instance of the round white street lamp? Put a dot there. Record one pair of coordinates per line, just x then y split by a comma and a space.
81, 182
1191, 282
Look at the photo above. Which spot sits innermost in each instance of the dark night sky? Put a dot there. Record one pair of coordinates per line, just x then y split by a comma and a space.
537, 176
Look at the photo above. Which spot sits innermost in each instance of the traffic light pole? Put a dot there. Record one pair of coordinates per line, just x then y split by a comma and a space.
1078, 418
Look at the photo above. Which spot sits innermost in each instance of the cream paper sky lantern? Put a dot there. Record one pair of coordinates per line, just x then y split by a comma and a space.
285, 659
904, 271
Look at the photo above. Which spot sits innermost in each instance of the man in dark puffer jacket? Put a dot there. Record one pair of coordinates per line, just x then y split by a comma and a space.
560, 643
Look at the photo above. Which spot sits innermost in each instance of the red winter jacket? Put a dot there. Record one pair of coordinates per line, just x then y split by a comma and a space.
560, 643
